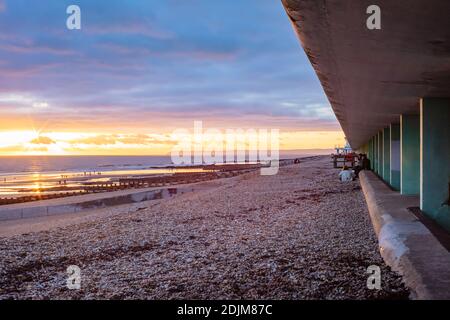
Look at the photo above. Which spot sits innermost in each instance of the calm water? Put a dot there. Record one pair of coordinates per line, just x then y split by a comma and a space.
77, 163
26, 175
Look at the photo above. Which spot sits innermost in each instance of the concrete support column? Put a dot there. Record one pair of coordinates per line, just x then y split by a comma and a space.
387, 155
380, 153
375, 150
410, 154
395, 156
435, 159
372, 155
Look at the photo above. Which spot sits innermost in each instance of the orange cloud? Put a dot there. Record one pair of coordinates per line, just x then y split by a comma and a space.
97, 140
42, 140
78, 143
112, 139
22, 150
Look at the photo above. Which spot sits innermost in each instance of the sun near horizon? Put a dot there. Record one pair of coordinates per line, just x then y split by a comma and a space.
33, 143
129, 77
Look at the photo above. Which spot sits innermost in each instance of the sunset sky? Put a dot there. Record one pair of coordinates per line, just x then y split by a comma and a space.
137, 70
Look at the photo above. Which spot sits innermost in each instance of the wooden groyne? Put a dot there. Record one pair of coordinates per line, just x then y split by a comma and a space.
136, 182
38, 197
211, 172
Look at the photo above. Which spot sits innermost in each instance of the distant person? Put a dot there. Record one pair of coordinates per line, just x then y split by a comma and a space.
346, 175
366, 163
356, 170
359, 165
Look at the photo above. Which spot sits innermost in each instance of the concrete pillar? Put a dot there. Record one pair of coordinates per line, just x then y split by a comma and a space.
410, 154
380, 153
435, 159
395, 156
372, 154
375, 150
387, 155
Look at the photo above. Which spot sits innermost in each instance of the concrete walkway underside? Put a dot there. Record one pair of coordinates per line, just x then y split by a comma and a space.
406, 244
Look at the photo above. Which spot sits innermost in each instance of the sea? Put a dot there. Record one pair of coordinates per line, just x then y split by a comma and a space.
30, 175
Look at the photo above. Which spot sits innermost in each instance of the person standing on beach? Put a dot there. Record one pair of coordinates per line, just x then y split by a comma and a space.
365, 163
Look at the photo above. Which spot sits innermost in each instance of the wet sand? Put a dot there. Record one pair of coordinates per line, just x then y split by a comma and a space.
300, 234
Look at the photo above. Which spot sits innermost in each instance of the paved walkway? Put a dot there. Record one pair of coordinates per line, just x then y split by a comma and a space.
407, 245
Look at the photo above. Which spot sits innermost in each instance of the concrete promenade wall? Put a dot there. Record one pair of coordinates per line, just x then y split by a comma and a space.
75, 207
406, 245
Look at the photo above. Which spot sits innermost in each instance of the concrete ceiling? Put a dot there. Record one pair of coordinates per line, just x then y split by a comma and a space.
373, 76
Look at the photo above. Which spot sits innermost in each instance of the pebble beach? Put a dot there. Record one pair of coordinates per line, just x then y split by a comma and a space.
300, 234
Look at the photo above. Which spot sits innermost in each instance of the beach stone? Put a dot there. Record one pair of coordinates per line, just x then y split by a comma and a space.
300, 234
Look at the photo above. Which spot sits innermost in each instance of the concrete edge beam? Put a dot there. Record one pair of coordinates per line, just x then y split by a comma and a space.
406, 245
